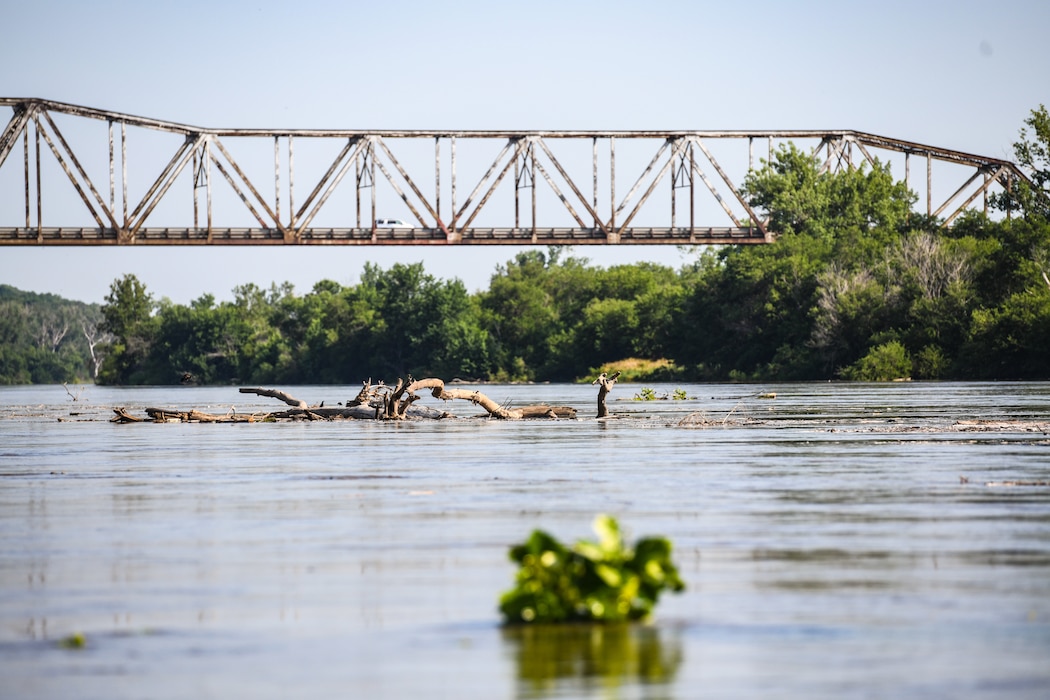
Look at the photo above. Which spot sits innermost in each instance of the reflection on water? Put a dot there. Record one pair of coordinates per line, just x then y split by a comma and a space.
557, 659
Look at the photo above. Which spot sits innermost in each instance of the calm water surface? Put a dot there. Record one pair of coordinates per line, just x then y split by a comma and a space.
836, 541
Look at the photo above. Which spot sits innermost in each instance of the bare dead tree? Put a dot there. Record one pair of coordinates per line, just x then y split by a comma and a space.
53, 329
95, 337
933, 263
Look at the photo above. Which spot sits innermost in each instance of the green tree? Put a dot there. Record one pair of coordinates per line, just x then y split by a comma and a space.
127, 315
422, 326
520, 315
198, 342
607, 331
1032, 152
749, 313
782, 311
846, 207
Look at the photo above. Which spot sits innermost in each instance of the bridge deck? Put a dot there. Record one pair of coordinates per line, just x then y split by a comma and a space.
365, 236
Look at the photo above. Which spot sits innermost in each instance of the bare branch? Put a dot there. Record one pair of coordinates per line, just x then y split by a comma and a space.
275, 394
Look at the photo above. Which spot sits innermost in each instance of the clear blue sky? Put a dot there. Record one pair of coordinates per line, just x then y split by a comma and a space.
960, 74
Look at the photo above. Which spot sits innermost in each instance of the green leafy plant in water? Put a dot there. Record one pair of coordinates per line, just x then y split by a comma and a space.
601, 581
77, 640
646, 394
649, 394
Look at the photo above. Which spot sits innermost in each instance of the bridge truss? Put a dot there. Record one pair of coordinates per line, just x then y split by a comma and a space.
201, 186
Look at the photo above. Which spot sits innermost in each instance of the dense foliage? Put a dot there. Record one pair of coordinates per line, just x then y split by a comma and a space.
397, 322
602, 581
45, 339
857, 286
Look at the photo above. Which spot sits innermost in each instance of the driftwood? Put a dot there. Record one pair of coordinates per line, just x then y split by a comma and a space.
163, 415
439, 391
274, 393
605, 385
123, 416
363, 396
379, 402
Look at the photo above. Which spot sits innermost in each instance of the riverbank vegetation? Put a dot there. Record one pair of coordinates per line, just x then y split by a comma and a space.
45, 339
857, 287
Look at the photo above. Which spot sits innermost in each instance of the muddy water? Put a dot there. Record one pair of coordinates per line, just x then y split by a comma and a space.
836, 541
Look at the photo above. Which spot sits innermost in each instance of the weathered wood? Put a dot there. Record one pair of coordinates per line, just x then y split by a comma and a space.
363, 396
545, 411
392, 404
494, 409
605, 385
380, 402
164, 415
275, 394
438, 390
123, 416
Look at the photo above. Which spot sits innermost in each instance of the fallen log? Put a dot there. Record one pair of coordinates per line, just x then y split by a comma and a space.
359, 412
545, 411
164, 415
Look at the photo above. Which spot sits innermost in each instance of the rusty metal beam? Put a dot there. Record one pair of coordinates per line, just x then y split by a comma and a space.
675, 148
576, 190
65, 167
736, 192
432, 210
983, 189
19, 120
558, 193
162, 185
495, 183
331, 188
457, 215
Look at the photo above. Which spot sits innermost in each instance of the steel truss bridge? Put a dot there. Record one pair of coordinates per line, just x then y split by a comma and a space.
192, 185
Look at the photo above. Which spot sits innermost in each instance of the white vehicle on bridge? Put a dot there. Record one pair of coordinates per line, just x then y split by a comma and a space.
391, 223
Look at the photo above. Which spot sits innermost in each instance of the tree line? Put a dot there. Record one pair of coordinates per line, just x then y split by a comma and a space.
857, 287
45, 339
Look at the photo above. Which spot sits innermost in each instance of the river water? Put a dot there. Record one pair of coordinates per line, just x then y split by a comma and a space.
838, 540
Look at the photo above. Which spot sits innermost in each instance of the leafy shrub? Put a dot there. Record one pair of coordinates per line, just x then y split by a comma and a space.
931, 363
591, 581
883, 363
